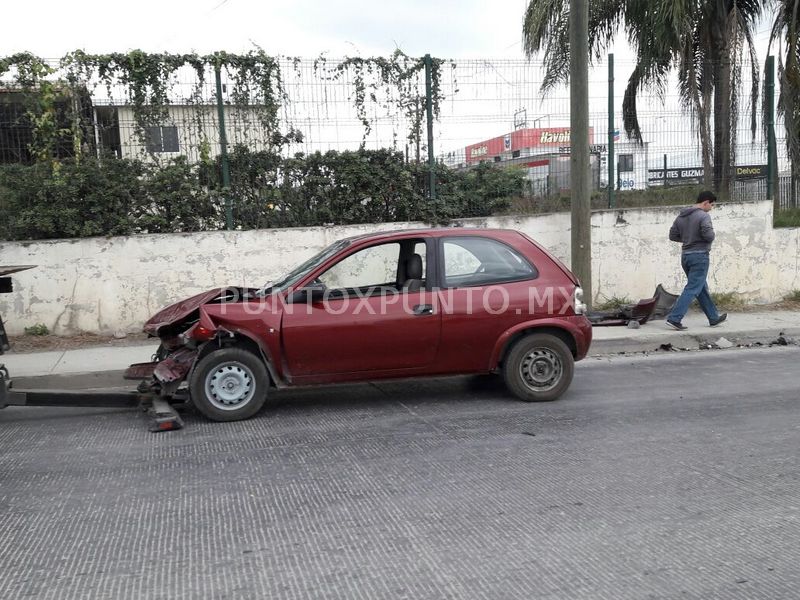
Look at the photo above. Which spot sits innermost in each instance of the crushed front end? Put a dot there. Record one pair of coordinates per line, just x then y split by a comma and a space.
183, 330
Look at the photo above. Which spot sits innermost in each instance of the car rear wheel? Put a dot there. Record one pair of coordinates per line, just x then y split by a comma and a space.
538, 368
229, 385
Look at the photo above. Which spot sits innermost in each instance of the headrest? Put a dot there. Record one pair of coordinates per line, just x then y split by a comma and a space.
414, 267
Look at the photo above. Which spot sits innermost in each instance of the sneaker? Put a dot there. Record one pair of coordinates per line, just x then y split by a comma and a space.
677, 325
718, 320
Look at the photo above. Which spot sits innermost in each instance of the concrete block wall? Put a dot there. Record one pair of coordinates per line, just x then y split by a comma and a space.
103, 285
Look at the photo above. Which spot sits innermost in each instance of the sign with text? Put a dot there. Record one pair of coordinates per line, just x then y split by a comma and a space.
540, 139
693, 175
751, 172
593, 149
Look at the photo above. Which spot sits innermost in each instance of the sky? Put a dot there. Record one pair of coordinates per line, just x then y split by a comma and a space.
454, 29
307, 28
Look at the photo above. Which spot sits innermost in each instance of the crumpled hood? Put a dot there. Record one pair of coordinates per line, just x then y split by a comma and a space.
184, 308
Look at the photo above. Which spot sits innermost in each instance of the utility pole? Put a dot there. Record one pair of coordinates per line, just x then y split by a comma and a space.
579, 140
611, 131
223, 151
772, 154
429, 110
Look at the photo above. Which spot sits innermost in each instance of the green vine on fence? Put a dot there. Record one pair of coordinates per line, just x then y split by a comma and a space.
148, 79
399, 74
147, 82
41, 108
257, 83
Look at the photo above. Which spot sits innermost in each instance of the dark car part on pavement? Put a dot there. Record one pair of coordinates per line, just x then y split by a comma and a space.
647, 309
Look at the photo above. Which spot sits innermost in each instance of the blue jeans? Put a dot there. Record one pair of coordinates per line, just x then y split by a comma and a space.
695, 265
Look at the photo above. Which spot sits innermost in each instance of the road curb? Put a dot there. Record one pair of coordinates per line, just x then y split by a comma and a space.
682, 340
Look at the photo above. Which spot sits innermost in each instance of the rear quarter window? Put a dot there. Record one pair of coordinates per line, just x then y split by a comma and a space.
474, 261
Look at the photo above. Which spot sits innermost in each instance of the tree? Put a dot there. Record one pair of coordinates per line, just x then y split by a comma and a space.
707, 41
785, 31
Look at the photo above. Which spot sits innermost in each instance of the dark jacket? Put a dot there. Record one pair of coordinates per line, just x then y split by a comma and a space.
693, 229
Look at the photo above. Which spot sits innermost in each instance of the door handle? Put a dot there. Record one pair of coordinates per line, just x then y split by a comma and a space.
423, 309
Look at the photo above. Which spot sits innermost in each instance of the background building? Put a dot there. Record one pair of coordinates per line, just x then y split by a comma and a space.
545, 153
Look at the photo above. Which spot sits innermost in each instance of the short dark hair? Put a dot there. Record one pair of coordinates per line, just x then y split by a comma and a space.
706, 195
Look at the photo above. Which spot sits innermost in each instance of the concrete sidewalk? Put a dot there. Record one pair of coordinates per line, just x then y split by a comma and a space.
740, 328
71, 362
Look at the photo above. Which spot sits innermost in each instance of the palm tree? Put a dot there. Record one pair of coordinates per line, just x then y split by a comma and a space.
705, 40
786, 31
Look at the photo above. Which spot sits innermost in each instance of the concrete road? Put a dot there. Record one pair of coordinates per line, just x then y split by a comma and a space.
669, 476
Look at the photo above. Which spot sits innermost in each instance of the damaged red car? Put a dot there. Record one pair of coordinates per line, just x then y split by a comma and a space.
413, 303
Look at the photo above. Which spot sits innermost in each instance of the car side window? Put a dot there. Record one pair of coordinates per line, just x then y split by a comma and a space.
471, 261
371, 267
459, 261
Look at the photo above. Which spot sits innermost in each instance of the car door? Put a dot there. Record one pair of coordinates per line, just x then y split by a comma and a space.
485, 290
369, 319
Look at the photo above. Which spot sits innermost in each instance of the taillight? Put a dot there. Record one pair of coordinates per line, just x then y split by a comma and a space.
577, 301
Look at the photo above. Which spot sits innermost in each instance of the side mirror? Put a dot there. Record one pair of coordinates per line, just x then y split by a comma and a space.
314, 291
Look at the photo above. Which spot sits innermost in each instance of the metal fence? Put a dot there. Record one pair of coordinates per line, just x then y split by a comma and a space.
486, 110
756, 189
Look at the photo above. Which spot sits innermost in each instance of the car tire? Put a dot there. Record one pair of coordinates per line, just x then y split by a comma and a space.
538, 368
230, 384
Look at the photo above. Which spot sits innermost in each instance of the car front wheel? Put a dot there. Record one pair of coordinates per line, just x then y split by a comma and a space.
538, 368
229, 385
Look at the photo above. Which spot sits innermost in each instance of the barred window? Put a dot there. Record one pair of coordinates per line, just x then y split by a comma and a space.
625, 163
162, 138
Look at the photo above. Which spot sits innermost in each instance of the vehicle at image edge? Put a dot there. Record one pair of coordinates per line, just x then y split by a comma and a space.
397, 304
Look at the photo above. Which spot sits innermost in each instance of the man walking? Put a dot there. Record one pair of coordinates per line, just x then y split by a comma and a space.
694, 230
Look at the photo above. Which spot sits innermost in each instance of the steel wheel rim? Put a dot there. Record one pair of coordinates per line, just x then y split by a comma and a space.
230, 385
541, 369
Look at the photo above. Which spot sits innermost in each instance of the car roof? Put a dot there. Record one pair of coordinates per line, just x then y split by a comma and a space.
433, 232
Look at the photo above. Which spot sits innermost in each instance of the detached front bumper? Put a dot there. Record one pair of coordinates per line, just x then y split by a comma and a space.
173, 368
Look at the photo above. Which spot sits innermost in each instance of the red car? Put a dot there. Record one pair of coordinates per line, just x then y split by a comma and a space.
404, 304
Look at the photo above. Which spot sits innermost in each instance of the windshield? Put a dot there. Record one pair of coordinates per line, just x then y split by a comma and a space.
296, 274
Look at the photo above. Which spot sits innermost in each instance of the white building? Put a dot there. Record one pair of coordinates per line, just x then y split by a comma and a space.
190, 130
